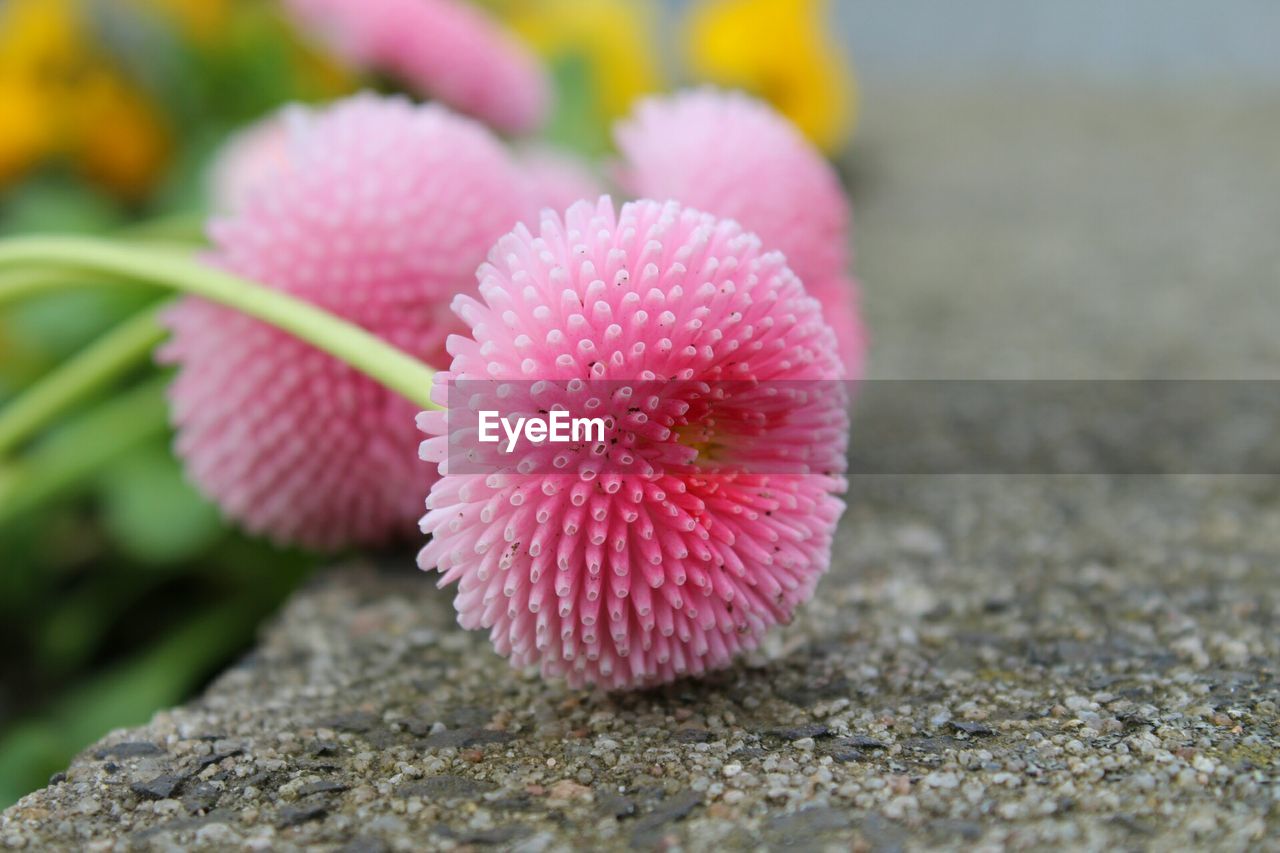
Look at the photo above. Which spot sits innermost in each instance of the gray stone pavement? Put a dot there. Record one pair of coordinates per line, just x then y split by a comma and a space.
1016, 662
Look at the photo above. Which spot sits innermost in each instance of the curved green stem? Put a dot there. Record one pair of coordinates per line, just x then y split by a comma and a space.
173, 270
103, 361
82, 447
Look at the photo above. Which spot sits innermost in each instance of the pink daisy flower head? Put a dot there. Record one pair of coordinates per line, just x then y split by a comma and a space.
382, 215
250, 159
703, 511
736, 157
444, 49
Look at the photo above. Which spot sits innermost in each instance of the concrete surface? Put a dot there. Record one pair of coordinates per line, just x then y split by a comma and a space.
994, 662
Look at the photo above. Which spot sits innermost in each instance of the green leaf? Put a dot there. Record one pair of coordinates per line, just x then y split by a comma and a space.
56, 202
29, 754
76, 452
577, 123
153, 514
54, 326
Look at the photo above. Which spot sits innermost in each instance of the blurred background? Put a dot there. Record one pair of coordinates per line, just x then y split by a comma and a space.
1111, 164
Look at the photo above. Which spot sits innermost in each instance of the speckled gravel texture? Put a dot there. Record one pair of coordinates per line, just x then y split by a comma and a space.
994, 661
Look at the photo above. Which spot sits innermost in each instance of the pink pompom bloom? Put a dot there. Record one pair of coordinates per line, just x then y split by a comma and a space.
734, 156
444, 49
382, 215
250, 159
704, 512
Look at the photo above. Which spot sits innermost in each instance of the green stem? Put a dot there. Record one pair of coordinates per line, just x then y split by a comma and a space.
82, 447
101, 363
173, 270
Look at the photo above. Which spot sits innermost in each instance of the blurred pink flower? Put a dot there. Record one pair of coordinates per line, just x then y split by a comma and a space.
382, 214
734, 156
842, 310
674, 543
444, 49
557, 179
248, 160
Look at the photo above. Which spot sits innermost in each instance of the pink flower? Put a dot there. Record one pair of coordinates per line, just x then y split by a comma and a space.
381, 216
706, 512
840, 306
442, 48
557, 179
734, 156
251, 158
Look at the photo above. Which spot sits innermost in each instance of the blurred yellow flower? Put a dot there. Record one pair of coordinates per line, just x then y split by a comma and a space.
202, 20
779, 50
116, 138
26, 134
61, 98
30, 33
614, 38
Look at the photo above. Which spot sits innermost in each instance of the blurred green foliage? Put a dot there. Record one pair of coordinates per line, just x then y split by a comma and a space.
121, 590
